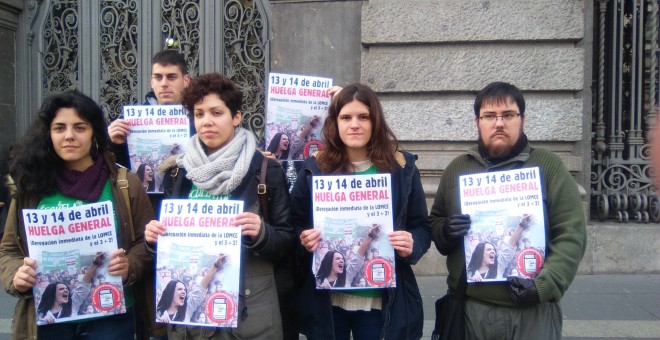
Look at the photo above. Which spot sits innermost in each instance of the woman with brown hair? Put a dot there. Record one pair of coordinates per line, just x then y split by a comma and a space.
358, 141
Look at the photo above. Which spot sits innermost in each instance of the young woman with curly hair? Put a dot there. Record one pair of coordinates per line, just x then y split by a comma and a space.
63, 161
221, 162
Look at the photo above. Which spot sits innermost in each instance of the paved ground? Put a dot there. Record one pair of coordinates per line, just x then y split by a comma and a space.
595, 307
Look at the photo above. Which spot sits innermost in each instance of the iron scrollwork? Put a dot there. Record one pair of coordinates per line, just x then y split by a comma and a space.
621, 175
244, 39
180, 22
119, 54
60, 55
245, 59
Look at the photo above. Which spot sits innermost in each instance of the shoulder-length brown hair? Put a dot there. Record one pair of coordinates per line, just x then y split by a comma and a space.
381, 146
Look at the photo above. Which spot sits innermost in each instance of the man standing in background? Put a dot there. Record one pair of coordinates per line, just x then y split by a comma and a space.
169, 76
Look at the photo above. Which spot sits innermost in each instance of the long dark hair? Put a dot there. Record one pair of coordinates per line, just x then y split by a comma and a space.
478, 257
381, 146
36, 164
167, 297
326, 268
48, 300
140, 172
275, 144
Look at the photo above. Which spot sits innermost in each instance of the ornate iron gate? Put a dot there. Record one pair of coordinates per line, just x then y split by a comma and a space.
104, 48
625, 109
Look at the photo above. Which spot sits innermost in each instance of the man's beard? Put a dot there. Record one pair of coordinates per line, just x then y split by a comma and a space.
501, 150
495, 151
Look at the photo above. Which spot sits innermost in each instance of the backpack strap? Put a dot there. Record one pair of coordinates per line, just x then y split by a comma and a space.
261, 190
122, 184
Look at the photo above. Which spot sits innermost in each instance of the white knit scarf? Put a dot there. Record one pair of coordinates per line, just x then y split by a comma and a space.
222, 171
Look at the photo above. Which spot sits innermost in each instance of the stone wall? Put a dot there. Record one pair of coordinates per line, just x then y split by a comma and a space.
428, 58
320, 38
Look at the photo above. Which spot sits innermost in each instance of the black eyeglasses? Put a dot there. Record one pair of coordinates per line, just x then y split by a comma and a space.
506, 117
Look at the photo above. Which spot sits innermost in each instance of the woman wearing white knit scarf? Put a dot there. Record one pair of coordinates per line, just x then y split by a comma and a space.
223, 170
221, 162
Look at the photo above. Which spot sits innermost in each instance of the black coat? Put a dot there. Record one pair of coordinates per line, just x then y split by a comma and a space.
402, 306
273, 251
280, 236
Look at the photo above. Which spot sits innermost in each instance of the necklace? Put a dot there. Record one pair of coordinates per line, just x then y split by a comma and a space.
361, 166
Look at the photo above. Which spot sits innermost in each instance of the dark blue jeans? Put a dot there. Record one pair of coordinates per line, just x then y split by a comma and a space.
364, 325
115, 327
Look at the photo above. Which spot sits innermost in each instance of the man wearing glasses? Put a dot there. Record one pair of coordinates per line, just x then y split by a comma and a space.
520, 308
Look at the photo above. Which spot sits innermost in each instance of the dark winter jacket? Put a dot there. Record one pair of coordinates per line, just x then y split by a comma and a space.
258, 301
402, 306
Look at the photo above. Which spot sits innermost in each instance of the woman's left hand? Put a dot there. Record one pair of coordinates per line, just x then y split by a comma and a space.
325, 284
270, 155
402, 241
118, 264
164, 318
250, 224
49, 318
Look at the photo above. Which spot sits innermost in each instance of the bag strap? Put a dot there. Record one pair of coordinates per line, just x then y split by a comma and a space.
261, 190
122, 183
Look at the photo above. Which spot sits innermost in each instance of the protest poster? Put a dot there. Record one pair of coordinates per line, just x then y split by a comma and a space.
199, 263
65, 243
157, 132
507, 235
354, 214
296, 109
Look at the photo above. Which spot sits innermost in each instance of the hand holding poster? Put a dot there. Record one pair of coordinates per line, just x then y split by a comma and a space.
296, 108
354, 214
507, 235
72, 247
157, 132
199, 263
